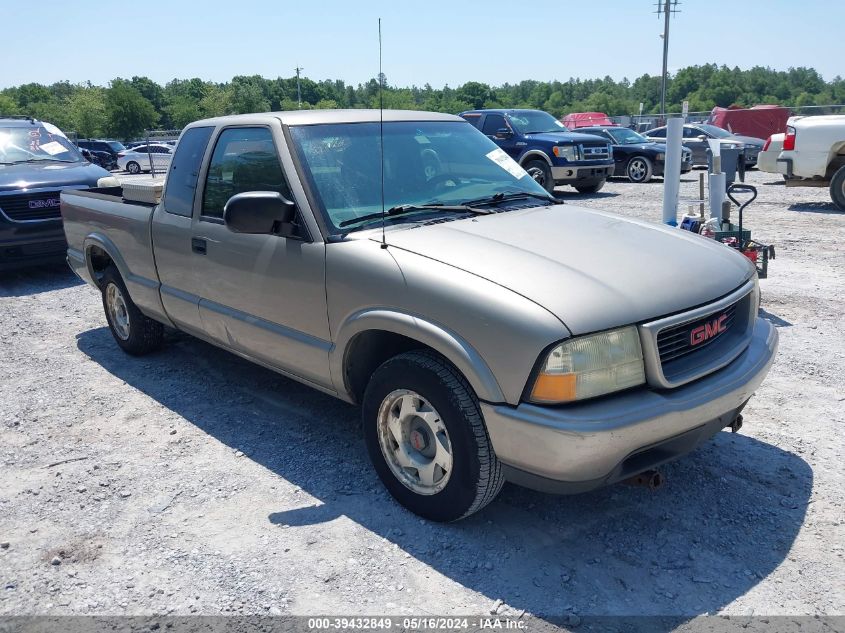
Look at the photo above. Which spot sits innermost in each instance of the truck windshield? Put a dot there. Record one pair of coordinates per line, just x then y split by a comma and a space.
535, 122
426, 163
35, 143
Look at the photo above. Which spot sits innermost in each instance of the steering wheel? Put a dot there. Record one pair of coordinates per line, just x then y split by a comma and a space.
443, 180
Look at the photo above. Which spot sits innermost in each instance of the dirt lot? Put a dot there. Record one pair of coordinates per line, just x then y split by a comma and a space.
190, 481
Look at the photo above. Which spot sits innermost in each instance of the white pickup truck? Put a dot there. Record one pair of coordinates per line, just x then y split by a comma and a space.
814, 154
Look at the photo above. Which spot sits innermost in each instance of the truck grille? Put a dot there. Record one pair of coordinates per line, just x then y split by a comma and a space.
26, 207
595, 152
678, 341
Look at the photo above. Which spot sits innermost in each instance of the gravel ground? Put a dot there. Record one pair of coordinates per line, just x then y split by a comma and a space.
191, 482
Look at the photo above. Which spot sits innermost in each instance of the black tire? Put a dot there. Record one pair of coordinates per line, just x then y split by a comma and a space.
475, 476
639, 169
591, 188
540, 171
133, 168
837, 188
144, 334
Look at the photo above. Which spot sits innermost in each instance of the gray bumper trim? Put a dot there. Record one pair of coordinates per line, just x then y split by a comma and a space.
587, 442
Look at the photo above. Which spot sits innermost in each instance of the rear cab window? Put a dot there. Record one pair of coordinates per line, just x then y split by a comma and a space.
184, 171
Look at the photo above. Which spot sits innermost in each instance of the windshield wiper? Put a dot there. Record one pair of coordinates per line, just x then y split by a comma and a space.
502, 196
410, 208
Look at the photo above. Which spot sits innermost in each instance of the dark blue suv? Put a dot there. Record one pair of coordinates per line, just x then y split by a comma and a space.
547, 150
37, 162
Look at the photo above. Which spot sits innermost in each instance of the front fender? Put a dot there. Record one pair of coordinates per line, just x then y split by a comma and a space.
436, 336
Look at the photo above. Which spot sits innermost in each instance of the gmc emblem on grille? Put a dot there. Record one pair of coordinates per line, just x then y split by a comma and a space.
50, 203
707, 331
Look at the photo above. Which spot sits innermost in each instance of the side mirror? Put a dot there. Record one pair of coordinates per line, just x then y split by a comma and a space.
260, 213
503, 133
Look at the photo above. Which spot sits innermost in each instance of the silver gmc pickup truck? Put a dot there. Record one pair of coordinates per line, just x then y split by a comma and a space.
488, 332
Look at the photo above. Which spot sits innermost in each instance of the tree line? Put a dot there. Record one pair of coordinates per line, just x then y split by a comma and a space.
127, 107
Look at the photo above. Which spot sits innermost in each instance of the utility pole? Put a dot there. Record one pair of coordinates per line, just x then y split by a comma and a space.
298, 88
667, 8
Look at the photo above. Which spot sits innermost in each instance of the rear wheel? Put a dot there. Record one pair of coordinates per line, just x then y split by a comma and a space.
590, 188
639, 169
135, 333
540, 171
427, 440
133, 168
837, 188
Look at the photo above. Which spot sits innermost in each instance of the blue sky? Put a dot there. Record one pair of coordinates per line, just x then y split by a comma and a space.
432, 42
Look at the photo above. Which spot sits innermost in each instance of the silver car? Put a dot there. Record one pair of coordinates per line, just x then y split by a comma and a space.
141, 157
696, 135
487, 331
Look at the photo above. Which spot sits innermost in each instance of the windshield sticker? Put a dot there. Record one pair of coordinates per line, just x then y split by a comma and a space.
507, 163
53, 148
422, 140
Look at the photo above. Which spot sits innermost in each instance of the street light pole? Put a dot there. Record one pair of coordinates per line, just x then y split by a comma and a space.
666, 16
299, 90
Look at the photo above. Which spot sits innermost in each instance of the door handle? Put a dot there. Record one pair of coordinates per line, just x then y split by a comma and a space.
199, 245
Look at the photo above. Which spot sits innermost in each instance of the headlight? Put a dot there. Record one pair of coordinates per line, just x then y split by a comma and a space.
660, 156
589, 366
108, 181
569, 152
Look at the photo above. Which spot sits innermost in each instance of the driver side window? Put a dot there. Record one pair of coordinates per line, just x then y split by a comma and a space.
493, 123
244, 159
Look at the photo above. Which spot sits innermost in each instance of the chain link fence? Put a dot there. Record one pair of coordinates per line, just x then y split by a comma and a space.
644, 122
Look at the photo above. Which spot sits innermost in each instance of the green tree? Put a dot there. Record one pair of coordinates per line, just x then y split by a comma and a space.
128, 112
87, 112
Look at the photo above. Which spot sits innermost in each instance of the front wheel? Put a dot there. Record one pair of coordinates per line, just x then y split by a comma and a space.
540, 171
133, 168
639, 169
590, 188
427, 440
135, 333
837, 188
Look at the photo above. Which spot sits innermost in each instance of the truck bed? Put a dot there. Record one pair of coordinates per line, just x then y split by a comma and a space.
102, 219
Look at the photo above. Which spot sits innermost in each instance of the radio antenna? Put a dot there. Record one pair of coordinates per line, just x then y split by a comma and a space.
381, 132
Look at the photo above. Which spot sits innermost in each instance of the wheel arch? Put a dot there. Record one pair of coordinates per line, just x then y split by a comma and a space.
370, 337
533, 154
100, 252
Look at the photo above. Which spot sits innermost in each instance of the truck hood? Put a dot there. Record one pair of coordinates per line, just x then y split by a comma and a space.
559, 137
593, 270
49, 174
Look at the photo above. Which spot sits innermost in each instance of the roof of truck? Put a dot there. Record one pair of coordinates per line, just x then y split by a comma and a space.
313, 117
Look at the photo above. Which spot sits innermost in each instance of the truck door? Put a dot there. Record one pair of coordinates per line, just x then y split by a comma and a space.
260, 295
493, 126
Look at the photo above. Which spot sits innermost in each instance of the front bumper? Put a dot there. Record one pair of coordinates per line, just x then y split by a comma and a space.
576, 173
30, 244
579, 447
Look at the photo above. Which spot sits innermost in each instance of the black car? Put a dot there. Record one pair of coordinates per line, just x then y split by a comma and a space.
37, 162
635, 156
102, 159
110, 147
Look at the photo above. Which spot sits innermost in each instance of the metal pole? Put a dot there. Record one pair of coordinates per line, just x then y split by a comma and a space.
672, 171
298, 89
150, 157
666, 16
